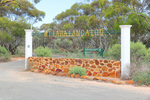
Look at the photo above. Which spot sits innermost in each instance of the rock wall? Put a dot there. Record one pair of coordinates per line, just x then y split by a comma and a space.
94, 67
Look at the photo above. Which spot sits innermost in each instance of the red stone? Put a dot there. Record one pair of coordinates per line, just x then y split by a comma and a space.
104, 68
72, 62
112, 74
96, 62
92, 70
109, 65
112, 81
130, 82
102, 64
117, 64
66, 70
95, 73
105, 61
99, 66
87, 65
99, 74
43, 66
68, 75
72, 75
83, 65
101, 71
66, 62
109, 70
114, 68
106, 80
91, 62
53, 69
50, 58
119, 82
46, 59
58, 70
77, 76
89, 73
93, 66
79, 61
105, 74
58, 62
101, 60
118, 74
96, 78
53, 61
63, 74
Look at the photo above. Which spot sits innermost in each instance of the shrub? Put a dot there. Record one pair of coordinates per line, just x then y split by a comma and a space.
114, 52
63, 43
147, 56
43, 52
142, 78
4, 53
138, 51
55, 51
77, 70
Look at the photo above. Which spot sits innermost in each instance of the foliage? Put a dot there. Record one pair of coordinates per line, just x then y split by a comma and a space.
142, 78
12, 33
15, 16
137, 51
114, 52
77, 70
107, 15
147, 56
16, 9
4, 53
63, 43
55, 51
43, 52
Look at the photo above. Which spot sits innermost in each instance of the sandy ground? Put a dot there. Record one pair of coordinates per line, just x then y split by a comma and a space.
18, 84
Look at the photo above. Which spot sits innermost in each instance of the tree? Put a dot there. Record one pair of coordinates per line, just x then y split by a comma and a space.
107, 15
12, 33
15, 16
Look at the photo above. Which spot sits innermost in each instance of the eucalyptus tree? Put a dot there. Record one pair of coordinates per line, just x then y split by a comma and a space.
15, 16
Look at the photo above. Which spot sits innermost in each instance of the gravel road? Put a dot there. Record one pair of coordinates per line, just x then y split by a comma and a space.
18, 84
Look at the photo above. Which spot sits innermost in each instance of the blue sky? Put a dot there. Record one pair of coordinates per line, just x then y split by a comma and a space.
53, 8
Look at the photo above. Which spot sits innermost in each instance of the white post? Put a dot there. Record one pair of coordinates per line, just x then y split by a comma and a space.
28, 45
125, 51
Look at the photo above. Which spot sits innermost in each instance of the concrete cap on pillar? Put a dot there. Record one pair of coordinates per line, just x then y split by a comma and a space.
125, 26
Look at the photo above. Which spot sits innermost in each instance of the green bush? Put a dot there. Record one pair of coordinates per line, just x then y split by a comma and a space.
147, 56
63, 43
55, 51
77, 70
4, 53
142, 78
43, 52
114, 52
137, 51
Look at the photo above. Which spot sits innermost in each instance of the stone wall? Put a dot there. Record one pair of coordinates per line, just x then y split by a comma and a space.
94, 67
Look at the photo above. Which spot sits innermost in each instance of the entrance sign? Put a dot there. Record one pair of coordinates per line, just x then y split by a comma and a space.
97, 32
125, 43
63, 33
97, 51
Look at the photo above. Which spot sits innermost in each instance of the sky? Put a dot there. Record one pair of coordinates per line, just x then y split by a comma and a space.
53, 8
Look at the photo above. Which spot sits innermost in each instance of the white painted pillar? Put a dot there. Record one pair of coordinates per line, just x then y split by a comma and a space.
28, 45
125, 51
